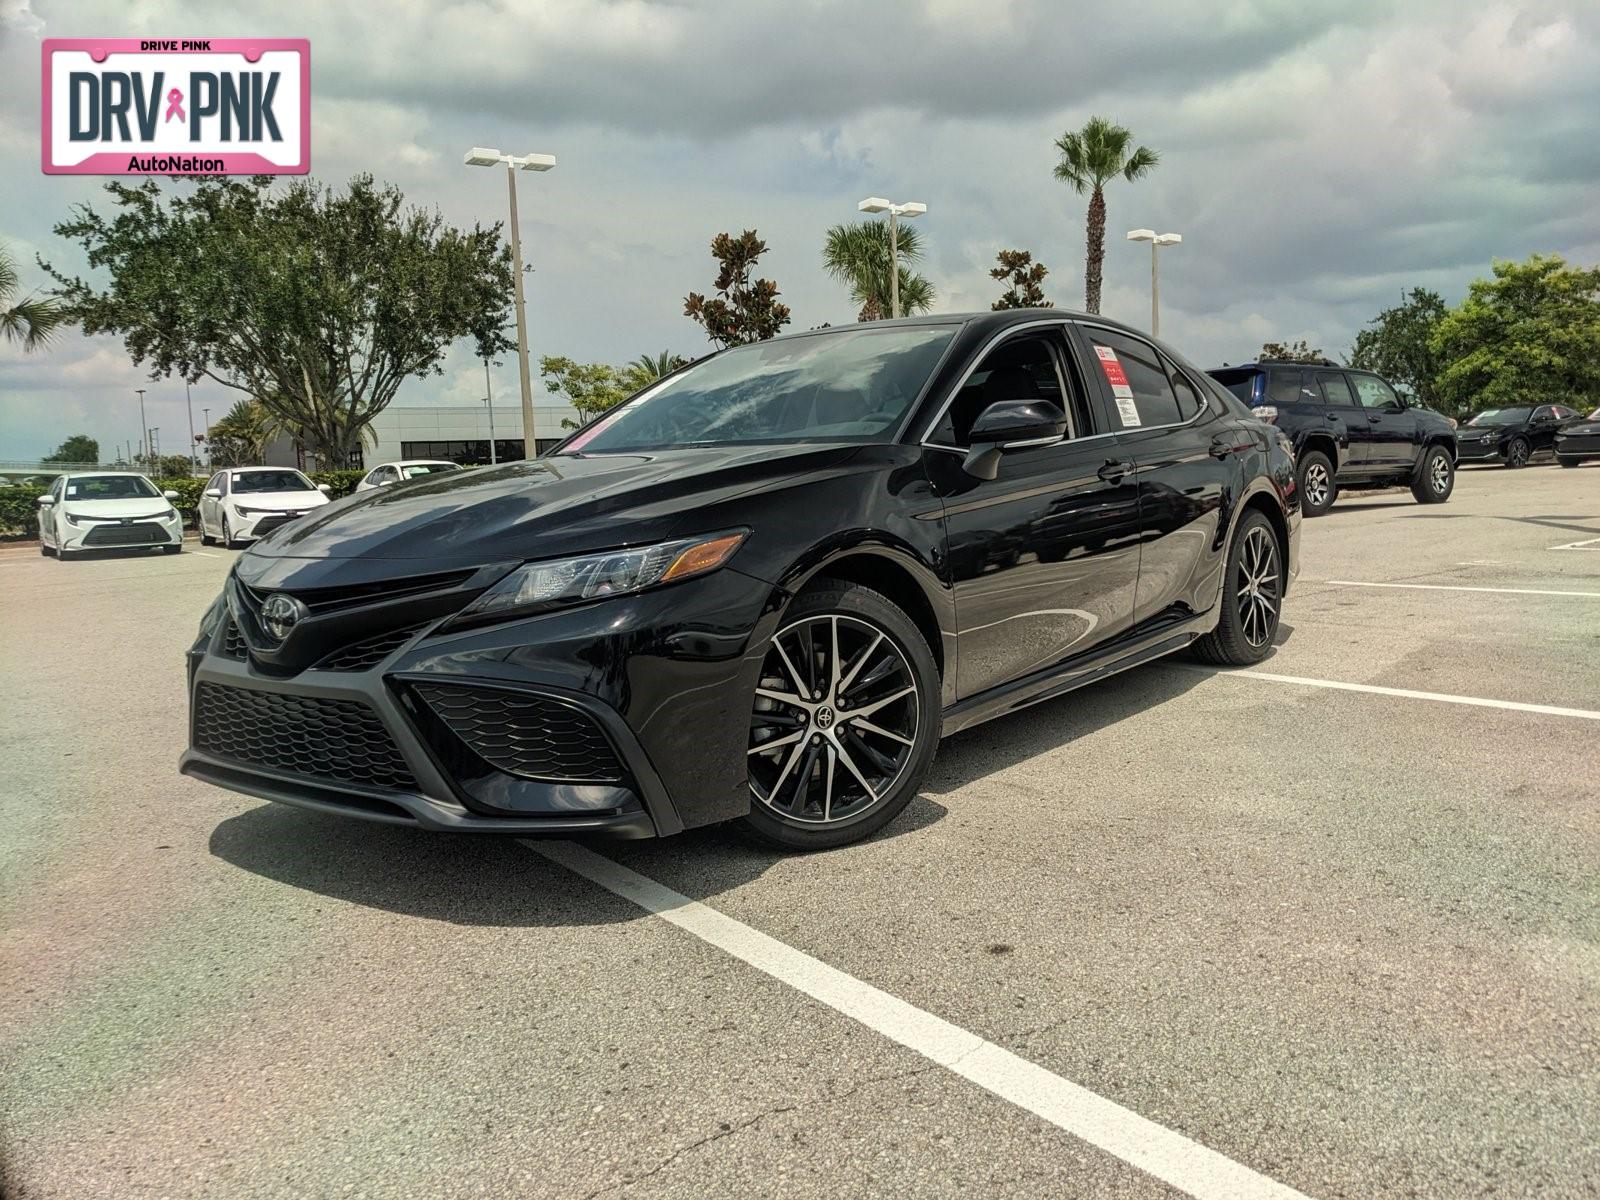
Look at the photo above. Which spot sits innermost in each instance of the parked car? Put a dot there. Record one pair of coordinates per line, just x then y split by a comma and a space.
1511, 436
241, 504
397, 472
1578, 441
761, 589
1349, 429
107, 510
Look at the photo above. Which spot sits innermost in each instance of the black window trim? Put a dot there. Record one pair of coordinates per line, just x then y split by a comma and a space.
982, 353
1164, 359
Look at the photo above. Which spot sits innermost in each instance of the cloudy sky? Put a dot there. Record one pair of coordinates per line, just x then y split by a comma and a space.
1317, 157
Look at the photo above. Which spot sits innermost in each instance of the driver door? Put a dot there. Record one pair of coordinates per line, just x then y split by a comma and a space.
1391, 427
1044, 558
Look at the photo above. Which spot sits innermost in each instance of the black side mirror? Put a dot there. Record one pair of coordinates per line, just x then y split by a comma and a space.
1007, 425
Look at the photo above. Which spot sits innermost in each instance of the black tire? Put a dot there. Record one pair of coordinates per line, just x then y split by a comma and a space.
1246, 628
178, 549
1436, 477
205, 538
1518, 453
227, 534
45, 550
825, 736
1320, 484
1569, 462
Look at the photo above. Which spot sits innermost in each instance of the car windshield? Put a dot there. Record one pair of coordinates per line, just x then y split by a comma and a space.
1501, 416
272, 481
854, 385
111, 487
416, 469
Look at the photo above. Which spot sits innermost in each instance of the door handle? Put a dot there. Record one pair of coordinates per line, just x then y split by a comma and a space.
1331, 416
1114, 470
1373, 418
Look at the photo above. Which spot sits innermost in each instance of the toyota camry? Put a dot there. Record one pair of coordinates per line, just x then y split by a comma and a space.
759, 590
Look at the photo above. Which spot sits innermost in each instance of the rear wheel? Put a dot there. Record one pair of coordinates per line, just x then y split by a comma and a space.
1517, 453
1252, 595
1317, 486
1436, 479
844, 721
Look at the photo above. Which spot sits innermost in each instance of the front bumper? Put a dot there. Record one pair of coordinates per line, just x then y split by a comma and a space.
665, 677
247, 527
119, 535
1478, 451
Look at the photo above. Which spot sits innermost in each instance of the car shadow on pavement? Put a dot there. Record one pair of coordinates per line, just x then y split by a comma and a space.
483, 880
1560, 521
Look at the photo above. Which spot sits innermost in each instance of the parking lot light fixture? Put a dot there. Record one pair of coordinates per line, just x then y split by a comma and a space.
483, 156
1156, 240
877, 204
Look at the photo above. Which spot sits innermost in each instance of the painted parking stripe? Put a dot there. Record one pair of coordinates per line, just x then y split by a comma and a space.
1154, 1149
1443, 587
1549, 710
1585, 544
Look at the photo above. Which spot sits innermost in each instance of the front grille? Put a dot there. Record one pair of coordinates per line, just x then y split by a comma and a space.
327, 599
233, 644
367, 653
144, 534
323, 739
525, 735
268, 524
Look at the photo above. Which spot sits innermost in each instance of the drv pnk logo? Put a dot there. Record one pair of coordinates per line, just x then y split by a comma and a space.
214, 106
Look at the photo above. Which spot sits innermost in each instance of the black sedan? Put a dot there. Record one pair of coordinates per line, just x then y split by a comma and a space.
1579, 442
761, 589
1511, 435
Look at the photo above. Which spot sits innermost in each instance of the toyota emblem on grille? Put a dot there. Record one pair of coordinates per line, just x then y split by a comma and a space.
280, 614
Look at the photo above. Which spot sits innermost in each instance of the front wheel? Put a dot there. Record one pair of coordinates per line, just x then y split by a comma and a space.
227, 534
1437, 479
1570, 462
178, 549
1252, 595
1317, 486
844, 720
1518, 452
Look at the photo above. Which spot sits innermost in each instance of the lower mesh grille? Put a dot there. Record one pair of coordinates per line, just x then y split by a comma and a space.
147, 534
525, 735
359, 656
233, 644
319, 738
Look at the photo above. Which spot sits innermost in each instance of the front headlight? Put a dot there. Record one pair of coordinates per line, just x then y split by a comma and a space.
536, 586
249, 512
170, 515
79, 519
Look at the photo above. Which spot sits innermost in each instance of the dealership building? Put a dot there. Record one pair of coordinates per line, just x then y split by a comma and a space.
459, 433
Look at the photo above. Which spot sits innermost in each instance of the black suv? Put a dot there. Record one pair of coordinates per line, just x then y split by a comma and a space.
762, 588
1349, 430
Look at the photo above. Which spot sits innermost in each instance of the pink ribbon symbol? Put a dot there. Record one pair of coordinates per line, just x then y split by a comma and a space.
175, 105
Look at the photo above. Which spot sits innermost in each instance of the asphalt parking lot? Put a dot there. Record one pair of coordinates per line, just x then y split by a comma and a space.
1346, 941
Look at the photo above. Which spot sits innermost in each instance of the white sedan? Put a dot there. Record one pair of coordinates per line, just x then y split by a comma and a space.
398, 472
107, 510
242, 503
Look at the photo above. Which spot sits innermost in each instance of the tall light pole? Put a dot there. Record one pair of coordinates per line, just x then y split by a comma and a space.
877, 204
1156, 240
194, 458
144, 430
488, 400
206, 413
480, 156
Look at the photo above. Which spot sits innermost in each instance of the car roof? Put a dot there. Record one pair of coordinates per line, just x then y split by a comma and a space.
247, 470
97, 474
980, 321
418, 462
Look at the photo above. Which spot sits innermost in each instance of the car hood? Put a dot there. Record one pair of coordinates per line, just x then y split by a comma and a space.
1586, 428
536, 509
279, 501
139, 506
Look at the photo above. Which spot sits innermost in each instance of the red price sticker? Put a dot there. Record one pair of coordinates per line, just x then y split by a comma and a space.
1120, 391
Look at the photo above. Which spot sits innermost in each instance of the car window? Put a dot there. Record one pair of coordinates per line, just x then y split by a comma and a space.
1563, 412
110, 487
1292, 387
271, 481
1544, 413
417, 470
1373, 392
1241, 383
1020, 368
1189, 402
1335, 389
1140, 385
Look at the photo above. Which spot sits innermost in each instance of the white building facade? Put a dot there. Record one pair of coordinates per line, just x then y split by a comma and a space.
461, 433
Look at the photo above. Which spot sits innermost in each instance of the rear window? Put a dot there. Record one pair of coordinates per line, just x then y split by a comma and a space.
1241, 383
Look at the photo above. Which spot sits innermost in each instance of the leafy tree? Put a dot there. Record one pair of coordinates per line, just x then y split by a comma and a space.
1398, 344
858, 255
1289, 352
24, 319
165, 466
321, 303
79, 448
241, 437
1025, 276
1092, 157
1530, 335
743, 311
591, 388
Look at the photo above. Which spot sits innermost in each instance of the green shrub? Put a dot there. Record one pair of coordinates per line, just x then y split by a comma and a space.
19, 511
340, 483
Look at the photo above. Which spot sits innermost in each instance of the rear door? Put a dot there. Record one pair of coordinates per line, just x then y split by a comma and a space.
1044, 558
1391, 428
1180, 449
1547, 418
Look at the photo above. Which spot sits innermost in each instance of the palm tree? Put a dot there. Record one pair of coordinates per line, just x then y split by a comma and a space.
243, 435
26, 320
1090, 158
651, 367
858, 255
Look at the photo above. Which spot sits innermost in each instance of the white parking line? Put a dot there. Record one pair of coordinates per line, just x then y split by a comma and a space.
1586, 544
1443, 587
1549, 710
1154, 1149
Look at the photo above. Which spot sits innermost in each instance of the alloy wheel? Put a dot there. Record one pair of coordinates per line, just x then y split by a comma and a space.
1517, 455
1316, 485
1439, 472
835, 721
1259, 586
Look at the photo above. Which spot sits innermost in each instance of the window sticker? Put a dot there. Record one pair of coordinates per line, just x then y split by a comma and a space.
1118, 379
